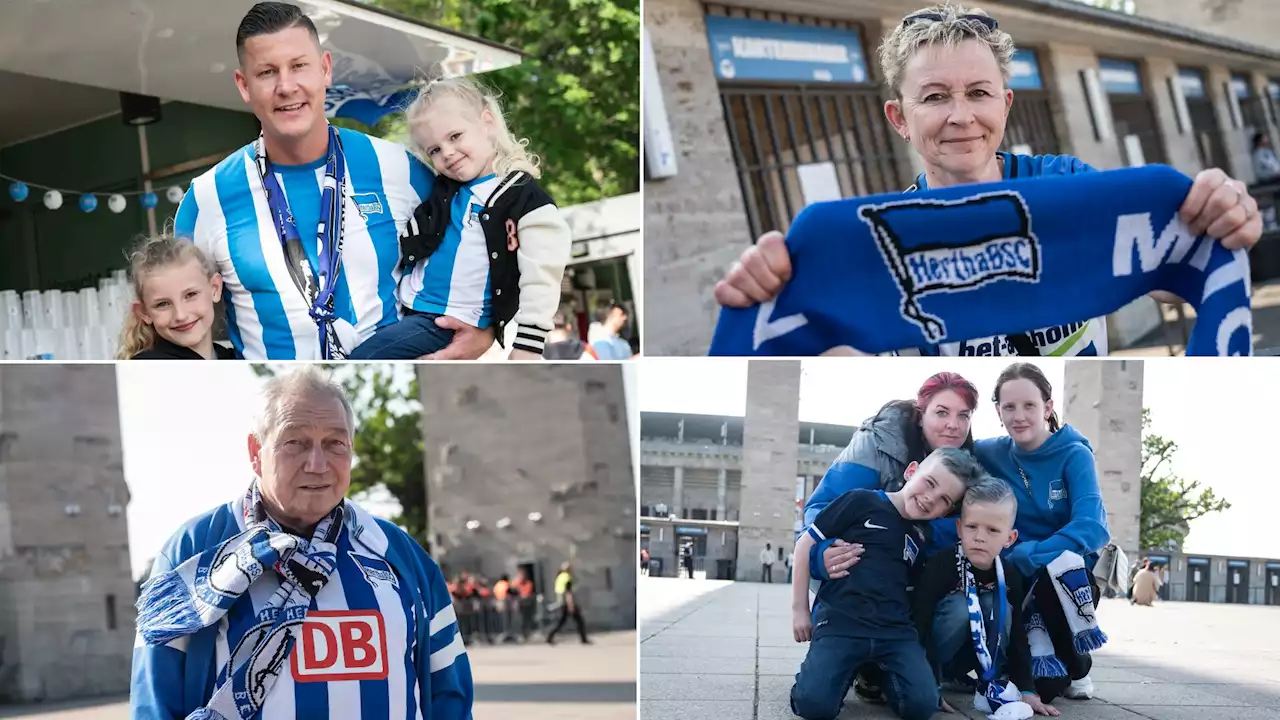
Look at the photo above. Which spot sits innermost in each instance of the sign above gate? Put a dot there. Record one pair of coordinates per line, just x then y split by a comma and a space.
746, 49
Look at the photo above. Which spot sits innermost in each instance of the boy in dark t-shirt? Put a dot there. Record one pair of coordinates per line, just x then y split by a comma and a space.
954, 600
865, 616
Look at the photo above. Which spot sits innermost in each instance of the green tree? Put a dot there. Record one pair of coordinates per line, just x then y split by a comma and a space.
576, 97
1169, 501
387, 447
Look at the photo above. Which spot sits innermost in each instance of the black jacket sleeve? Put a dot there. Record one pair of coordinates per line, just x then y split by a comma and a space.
936, 581
1019, 652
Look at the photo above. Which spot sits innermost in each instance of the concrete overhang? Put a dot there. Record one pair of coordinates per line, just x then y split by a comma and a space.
63, 61
1041, 22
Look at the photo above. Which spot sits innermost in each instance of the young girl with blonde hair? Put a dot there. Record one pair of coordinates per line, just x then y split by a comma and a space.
488, 247
176, 287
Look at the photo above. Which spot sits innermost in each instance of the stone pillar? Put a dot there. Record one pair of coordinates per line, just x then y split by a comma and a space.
1066, 62
1234, 141
677, 492
695, 223
1180, 147
722, 489
562, 488
66, 590
769, 455
1103, 400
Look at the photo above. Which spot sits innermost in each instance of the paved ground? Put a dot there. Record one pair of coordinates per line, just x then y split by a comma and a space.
713, 649
569, 681
1266, 327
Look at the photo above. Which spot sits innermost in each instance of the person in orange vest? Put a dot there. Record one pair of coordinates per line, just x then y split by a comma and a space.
523, 588
502, 607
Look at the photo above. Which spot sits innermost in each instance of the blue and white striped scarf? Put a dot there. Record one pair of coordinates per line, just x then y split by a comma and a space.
890, 272
991, 694
198, 594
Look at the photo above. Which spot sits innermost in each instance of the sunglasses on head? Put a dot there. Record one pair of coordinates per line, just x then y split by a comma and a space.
985, 21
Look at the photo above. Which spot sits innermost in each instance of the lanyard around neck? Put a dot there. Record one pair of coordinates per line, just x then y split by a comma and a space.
316, 286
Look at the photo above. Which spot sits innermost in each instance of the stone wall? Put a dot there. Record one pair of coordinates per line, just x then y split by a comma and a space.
66, 593
537, 458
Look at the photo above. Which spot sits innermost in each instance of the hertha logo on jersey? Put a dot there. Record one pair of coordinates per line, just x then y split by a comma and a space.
945, 246
376, 570
341, 645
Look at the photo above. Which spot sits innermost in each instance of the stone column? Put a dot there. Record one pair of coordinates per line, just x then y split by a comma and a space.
1103, 400
769, 455
677, 492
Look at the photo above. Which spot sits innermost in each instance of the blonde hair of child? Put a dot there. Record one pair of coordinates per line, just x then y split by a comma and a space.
512, 152
147, 257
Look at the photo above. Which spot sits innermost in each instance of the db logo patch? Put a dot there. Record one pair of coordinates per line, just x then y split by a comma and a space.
341, 645
944, 246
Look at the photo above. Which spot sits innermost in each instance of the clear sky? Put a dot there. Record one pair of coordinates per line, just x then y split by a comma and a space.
1217, 410
184, 429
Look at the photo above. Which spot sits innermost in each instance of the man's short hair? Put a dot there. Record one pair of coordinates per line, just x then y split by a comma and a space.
305, 381
988, 490
267, 18
602, 312
561, 321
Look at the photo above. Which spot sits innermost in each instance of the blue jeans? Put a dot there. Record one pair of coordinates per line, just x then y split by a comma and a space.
951, 642
414, 336
827, 674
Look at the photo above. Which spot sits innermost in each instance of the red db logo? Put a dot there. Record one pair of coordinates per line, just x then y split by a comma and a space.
341, 645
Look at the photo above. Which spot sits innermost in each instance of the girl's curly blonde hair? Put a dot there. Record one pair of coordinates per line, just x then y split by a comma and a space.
906, 39
512, 152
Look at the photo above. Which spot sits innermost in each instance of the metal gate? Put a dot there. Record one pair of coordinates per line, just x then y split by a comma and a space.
1204, 120
1135, 115
778, 133
1238, 582
1031, 123
1198, 574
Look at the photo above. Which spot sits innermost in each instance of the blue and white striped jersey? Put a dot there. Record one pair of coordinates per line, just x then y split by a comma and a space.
225, 212
362, 646
454, 280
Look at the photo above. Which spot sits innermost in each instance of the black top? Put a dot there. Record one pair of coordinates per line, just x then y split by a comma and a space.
165, 350
940, 578
871, 601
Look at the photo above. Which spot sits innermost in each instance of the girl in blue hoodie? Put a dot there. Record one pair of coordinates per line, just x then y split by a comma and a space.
1051, 470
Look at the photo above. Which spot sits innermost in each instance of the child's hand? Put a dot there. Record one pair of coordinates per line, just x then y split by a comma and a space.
518, 354
1040, 707
801, 625
946, 707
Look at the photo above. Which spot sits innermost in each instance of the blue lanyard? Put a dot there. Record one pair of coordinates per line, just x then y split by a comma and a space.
316, 285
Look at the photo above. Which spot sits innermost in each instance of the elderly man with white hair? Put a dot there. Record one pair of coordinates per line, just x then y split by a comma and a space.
292, 601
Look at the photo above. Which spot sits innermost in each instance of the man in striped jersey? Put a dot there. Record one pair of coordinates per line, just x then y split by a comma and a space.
259, 212
293, 602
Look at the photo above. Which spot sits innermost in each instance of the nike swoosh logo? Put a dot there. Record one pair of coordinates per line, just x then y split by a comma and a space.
766, 329
869, 526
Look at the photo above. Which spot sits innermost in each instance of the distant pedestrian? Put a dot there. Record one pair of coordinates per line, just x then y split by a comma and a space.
766, 563
791, 559
644, 561
523, 588
688, 561
1146, 586
569, 607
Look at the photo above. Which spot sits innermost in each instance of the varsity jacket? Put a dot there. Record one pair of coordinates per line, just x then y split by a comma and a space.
528, 242
170, 681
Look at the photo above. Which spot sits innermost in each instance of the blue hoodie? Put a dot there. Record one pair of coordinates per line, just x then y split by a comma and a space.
1064, 509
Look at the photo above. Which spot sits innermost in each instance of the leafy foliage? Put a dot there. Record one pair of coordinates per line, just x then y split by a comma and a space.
576, 97
1169, 502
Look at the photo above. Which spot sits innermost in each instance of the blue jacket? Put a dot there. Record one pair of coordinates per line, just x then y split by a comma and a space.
170, 683
1064, 509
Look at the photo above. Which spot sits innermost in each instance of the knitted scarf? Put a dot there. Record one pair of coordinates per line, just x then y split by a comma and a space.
1071, 585
892, 272
992, 696
198, 594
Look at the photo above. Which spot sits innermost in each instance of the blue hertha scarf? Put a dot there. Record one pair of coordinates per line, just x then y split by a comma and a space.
890, 272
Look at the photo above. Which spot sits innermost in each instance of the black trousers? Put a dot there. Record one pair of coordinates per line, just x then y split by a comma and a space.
1055, 623
766, 573
564, 617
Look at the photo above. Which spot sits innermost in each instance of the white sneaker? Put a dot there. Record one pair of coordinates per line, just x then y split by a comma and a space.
1081, 689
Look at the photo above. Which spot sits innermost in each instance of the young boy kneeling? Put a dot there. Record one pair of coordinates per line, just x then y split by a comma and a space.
960, 624
865, 616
